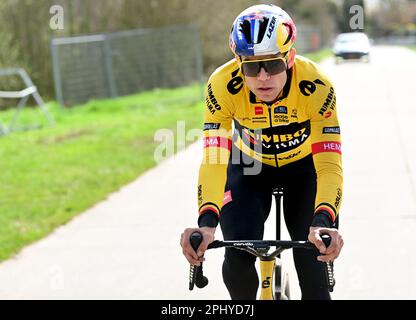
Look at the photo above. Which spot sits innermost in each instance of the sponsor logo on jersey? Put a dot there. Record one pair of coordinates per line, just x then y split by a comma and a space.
338, 198
200, 200
281, 118
308, 87
259, 120
275, 140
211, 101
335, 130
211, 126
258, 110
290, 156
326, 146
328, 104
220, 142
294, 113
280, 109
236, 83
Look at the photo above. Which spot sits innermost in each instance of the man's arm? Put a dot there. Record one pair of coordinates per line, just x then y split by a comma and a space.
217, 140
326, 151
213, 170
327, 158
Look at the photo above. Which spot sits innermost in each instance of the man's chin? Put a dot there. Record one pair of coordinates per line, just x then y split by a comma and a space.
266, 97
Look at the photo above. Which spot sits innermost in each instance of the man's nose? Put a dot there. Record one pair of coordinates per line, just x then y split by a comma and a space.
263, 74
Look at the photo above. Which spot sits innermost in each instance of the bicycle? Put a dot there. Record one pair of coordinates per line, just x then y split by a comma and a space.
274, 283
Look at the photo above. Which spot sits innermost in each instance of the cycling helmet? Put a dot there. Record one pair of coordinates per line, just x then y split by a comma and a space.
262, 30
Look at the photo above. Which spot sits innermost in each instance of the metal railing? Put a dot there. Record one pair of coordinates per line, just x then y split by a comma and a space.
122, 63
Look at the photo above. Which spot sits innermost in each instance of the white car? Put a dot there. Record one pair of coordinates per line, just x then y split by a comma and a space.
351, 45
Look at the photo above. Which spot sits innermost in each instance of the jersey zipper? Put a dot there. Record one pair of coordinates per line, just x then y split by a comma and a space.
271, 126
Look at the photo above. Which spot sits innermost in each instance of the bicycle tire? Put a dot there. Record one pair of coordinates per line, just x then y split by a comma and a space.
281, 284
286, 286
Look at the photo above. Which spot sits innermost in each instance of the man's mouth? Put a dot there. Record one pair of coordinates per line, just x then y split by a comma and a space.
265, 89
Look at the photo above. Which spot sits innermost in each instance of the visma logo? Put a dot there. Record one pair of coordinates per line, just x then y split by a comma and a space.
235, 84
307, 87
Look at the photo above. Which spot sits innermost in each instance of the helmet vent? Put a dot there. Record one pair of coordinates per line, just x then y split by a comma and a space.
262, 29
245, 29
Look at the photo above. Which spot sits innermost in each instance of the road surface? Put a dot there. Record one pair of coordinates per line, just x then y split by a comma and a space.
127, 247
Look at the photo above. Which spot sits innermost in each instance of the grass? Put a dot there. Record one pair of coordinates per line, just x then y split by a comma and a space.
320, 55
413, 47
48, 176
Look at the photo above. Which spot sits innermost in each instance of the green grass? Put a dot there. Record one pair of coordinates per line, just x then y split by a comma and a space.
413, 47
320, 55
48, 176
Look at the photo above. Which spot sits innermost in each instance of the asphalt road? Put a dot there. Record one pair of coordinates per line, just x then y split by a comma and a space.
127, 247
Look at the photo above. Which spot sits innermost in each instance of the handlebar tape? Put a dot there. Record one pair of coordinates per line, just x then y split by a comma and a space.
196, 276
329, 266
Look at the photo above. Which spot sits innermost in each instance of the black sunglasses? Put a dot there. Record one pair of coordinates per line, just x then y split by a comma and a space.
273, 66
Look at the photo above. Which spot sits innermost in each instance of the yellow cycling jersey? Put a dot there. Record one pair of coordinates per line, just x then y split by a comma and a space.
302, 121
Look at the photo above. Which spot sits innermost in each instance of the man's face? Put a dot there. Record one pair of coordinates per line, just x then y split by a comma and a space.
266, 87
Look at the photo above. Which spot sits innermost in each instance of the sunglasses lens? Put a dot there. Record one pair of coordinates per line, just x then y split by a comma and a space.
273, 67
251, 69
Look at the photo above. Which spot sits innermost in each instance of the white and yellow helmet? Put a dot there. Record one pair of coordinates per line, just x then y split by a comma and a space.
262, 30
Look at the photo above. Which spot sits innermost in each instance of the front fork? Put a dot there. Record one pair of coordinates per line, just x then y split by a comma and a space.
267, 275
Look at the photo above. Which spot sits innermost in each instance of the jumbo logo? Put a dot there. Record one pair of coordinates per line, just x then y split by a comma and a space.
211, 101
278, 139
329, 103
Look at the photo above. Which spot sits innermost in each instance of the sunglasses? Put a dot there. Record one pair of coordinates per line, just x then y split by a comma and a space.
273, 66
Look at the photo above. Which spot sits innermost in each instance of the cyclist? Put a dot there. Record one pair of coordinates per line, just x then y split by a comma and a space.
283, 109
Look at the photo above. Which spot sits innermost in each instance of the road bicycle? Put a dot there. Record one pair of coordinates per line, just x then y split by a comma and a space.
274, 282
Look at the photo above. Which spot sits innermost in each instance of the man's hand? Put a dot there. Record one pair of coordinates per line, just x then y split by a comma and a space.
195, 258
334, 249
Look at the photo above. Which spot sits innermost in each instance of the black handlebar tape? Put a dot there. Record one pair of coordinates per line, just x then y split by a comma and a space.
201, 280
196, 276
329, 266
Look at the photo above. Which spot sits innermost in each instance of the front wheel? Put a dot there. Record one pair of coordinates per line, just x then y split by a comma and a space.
281, 283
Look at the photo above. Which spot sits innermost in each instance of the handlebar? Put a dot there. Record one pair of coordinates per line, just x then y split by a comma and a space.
196, 276
259, 248
261, 244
